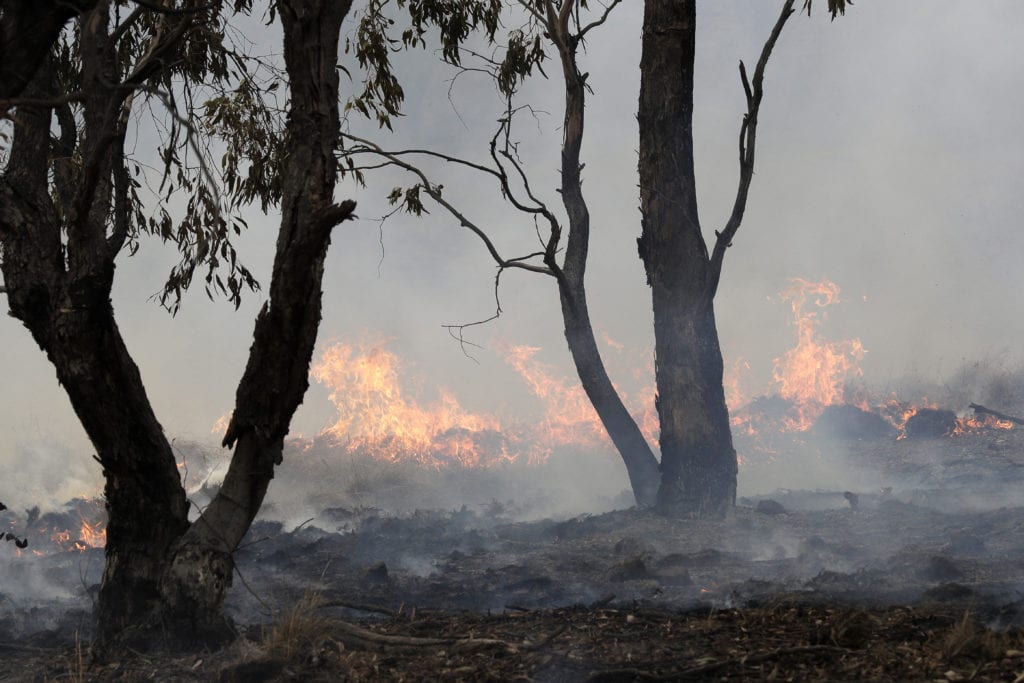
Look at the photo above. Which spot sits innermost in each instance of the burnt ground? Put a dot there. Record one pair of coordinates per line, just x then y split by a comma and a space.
918, 577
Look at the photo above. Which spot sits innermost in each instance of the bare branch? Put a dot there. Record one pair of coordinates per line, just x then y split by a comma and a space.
434, 192
528, 6
41, 102
747, 143
597, 22
457, 332
128, 22
371, 148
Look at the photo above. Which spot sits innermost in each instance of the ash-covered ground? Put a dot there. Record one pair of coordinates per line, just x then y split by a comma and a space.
930, 523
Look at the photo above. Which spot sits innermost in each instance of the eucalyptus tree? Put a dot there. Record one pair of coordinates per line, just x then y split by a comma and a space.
73, 201
698, 468
72, 204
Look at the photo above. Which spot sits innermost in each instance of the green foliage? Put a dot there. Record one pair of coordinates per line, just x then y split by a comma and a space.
220, 125
835, 7
203, 91
453, 22
254, 142
408, 199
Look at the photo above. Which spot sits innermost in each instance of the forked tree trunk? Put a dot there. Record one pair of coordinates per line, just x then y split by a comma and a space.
165, 578
698, 461
276, 376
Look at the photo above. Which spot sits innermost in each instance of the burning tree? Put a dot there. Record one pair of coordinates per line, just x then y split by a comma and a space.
698, 468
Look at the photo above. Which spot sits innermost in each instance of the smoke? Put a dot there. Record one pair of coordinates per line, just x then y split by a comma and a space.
882, 165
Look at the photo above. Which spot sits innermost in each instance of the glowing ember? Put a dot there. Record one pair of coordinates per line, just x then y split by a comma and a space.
968, 424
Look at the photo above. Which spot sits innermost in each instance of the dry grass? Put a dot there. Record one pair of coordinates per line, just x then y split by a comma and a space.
299, 632
967, 639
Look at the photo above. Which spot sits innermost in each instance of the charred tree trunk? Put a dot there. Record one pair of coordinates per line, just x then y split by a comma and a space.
698, 461
65, 304
276, 376
641, 465
164, 576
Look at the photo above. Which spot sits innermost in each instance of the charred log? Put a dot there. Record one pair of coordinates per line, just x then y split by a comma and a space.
982, 410
852, 423
930, 423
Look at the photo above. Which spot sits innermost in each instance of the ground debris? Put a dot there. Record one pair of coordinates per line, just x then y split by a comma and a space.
787, 641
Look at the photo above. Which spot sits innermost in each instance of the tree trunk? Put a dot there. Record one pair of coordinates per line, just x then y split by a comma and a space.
698, 462
165, 581
68, 312
276, 376
641, 465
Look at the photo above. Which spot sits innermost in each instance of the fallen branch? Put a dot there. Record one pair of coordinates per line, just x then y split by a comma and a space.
982, 410
356, 636
361, 638
375, 609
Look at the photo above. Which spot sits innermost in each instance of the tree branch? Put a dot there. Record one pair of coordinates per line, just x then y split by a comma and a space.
42, 102
597, 22
435, 194
747, 142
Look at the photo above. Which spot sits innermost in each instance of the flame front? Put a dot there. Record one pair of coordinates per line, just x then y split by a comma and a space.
569, 419
376, 417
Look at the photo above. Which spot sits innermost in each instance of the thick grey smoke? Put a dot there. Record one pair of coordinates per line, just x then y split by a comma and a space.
886, 163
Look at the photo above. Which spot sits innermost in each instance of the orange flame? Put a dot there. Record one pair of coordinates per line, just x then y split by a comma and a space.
813, 374
376, 417
93, 535
965, 425
569, 417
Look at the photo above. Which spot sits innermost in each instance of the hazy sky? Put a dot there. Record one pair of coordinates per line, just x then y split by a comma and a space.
888, 161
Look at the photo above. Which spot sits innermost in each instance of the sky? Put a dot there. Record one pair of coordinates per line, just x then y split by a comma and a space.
887, 162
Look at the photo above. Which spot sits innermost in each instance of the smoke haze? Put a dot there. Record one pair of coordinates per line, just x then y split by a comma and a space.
886, 162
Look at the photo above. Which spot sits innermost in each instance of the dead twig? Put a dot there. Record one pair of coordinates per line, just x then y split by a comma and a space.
376, 609
356, 636
546, 640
